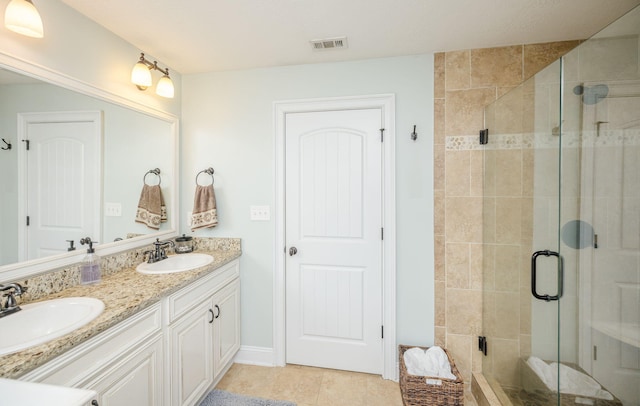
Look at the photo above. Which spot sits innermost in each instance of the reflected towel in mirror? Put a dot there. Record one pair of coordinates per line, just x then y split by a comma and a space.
205, 213
151, 208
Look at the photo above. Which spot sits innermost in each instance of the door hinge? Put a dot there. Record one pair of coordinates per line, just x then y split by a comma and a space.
595, 352
381, 331
382, 233
26, 142
482, 344
382, 135
484, 136
28, 220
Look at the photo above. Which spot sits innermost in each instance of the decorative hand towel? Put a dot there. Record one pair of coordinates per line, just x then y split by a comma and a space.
204, 212
151, 208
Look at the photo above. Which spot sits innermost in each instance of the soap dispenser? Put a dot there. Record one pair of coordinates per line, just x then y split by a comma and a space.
90, 268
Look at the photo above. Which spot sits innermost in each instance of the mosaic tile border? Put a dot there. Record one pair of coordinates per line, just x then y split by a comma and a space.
626, 138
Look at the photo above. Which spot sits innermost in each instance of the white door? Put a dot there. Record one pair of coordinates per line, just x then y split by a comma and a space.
334, 239
61, 180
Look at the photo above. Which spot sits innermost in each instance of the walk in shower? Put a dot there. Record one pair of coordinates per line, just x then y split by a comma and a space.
561, 243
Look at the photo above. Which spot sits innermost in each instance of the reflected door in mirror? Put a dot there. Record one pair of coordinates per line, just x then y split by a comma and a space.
62, 167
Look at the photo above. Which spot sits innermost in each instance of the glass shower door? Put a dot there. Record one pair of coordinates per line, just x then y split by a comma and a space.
522, 206
601, 109
561, 248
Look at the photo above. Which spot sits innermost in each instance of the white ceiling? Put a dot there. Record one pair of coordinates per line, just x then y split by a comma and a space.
212, 35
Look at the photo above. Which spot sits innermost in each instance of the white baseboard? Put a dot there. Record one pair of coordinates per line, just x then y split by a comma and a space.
263, 356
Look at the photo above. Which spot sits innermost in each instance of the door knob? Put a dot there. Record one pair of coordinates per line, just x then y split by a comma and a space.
293, 251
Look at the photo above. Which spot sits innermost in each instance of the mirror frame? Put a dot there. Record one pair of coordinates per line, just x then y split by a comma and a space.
25, 269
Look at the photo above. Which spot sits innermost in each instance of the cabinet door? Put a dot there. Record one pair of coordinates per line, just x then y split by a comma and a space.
137, 380
191, 341
226, 327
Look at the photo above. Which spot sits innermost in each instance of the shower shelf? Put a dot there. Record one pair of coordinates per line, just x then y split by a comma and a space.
626, 332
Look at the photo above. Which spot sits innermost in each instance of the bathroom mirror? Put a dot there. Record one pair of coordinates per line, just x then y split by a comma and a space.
128, 144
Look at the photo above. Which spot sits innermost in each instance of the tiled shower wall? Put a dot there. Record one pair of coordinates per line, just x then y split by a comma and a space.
465, 82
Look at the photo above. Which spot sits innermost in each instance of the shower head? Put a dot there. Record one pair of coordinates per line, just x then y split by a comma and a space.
593, 94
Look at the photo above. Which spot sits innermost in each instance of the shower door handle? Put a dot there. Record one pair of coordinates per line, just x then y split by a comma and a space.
535, 293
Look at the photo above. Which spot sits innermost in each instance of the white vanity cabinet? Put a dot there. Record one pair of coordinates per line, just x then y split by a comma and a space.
203, 333
168, 354
136, 381
226, 327
123, 364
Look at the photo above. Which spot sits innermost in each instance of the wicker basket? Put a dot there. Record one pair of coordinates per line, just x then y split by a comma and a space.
423, 391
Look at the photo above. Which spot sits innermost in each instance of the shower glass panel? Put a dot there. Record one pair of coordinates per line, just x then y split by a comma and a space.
601, 130
521, 217
562, 221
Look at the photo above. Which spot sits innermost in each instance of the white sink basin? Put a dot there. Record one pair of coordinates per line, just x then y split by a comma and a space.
40, 322
176, 263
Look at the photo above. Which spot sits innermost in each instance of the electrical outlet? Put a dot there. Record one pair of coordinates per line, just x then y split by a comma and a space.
112, 209
260, 213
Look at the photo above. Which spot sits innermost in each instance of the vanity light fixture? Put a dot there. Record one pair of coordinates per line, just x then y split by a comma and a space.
141, 77
22, 17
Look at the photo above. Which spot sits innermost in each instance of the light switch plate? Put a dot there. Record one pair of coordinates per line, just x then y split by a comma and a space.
112, 209
260, 213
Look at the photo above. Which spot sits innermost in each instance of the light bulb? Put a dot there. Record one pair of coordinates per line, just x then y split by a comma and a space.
164, 87
22, 17
141, 76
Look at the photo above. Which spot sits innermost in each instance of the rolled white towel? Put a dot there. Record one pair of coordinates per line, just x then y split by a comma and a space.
571, 381
578, 383
546, 375
417, 363
433, 362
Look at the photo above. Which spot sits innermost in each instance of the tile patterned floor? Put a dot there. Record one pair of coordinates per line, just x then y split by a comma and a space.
309, 386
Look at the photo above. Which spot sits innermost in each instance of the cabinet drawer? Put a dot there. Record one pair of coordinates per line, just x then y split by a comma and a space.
190, 296
75, 365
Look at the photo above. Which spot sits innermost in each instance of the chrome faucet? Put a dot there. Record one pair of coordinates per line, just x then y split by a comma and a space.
10, 305
160, 250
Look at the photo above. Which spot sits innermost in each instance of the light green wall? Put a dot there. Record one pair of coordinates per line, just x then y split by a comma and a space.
228, 125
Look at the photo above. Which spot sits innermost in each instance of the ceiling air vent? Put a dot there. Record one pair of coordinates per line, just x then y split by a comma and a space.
329, 43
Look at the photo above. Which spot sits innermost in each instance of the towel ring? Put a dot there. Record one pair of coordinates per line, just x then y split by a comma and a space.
156, 172
208, 171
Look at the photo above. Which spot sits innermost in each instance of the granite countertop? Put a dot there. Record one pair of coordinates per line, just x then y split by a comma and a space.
124, 293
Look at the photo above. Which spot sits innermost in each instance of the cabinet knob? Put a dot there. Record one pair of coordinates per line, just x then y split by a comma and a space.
212, 316
94, 403
293, 251
217, 308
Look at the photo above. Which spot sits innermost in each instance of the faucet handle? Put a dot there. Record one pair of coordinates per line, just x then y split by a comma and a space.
151, 254
11, 301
